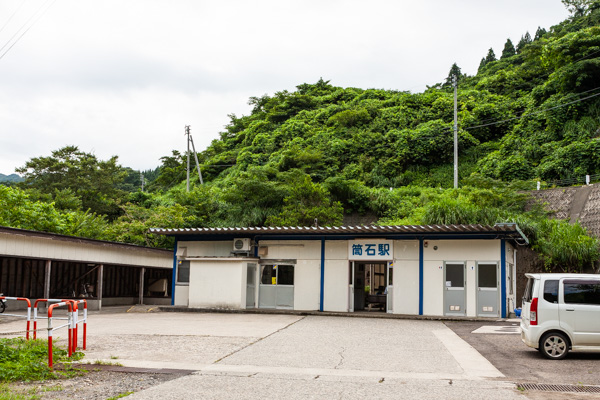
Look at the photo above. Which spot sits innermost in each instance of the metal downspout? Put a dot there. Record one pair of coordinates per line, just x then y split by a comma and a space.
421, 276
174, 273
503, 277
322, 274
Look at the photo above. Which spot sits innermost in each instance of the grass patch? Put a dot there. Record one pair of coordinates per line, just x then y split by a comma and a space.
27, 360
120, 396
57, 388
102, 362
7, 394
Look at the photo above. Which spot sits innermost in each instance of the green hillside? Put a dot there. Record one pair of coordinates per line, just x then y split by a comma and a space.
322, 153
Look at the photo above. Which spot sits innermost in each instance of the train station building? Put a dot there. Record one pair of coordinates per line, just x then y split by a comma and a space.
437, 270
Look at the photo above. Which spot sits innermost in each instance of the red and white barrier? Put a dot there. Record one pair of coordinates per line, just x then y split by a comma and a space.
51, 328
72, 321
17, 315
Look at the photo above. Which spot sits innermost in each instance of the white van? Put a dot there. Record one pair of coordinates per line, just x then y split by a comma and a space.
561, 312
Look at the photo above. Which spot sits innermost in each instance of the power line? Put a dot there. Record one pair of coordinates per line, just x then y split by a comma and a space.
28, 28
591, 54
13, 14
532, 113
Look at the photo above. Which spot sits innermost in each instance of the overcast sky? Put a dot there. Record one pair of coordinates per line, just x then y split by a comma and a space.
124, 77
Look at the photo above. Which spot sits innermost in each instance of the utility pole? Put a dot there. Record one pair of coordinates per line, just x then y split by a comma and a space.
187, 132
142, 178
455, 84
190, 140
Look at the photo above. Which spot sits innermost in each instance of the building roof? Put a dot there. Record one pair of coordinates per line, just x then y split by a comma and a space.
509, 230
80, 240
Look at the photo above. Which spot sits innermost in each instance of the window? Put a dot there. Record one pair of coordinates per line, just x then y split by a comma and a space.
183, 271
455, 275
277, 275
551, 291
582, 292
528, 295
487, 275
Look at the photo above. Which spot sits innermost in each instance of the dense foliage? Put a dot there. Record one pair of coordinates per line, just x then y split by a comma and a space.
321, 153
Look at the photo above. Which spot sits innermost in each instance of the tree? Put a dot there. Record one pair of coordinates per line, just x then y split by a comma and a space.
491, 56
539, 33
307, 202
577, 8
525, 40
94, 181
482, 64
454, 71
509, 49
18, 210
171, 172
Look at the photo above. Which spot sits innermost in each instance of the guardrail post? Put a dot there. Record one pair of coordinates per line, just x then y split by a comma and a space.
50, 329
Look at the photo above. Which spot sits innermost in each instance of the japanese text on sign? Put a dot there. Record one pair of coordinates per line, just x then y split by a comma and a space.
370, 250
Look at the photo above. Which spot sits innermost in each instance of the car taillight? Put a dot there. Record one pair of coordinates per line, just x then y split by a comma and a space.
533, 312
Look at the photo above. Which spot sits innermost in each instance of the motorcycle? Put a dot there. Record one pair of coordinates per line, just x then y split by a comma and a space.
2, 304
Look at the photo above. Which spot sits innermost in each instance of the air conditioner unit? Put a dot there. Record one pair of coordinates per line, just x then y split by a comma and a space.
241, 245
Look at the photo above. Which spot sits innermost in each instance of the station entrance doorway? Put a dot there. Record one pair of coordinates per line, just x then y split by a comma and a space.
370, 286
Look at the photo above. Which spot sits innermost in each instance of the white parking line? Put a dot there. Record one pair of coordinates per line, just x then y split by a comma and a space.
469, 359
506, 329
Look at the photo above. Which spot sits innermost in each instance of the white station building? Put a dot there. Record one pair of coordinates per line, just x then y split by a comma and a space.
437, 270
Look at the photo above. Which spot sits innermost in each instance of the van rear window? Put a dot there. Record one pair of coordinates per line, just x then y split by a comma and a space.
528, 295
551, 291
582, 292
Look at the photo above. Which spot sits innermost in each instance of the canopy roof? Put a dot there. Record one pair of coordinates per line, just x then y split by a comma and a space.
500, 231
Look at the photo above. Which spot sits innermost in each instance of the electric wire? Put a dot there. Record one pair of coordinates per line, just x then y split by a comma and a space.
13, 14
591, 54
28, 28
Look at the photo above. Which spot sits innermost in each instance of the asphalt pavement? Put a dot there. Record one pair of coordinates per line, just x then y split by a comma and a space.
258, 356
520, 363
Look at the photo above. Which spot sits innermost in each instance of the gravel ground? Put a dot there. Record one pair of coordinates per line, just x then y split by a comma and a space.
97, 384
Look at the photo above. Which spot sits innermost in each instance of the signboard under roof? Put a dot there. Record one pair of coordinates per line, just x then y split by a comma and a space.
371, 250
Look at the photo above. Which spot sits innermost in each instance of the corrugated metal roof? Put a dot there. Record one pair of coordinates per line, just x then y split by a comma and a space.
506, 230
77, 239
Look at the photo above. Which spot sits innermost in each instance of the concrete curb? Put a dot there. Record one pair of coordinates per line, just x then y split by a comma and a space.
365, 314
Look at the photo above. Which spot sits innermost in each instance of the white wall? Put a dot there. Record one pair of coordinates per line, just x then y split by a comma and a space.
337, 280
207, 249
217, 284
307, 273
182, 294
307, 285
406, 277
468, 251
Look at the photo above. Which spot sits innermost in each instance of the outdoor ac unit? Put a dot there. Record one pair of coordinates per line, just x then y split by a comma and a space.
241, 245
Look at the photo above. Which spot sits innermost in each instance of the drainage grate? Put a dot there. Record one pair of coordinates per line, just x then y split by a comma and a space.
558, 388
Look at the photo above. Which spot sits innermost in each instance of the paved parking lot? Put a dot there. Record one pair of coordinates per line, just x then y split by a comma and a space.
523, 364
263, 356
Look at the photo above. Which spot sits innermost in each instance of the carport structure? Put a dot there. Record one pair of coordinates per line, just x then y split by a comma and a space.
47, 265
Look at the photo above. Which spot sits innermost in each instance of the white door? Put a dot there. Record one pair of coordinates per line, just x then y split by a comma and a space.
487, 290
454, 288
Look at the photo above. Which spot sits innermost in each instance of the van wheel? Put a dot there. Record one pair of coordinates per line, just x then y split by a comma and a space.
554, 346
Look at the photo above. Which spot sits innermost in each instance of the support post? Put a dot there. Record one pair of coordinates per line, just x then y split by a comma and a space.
142, 272
47, 279
99, 286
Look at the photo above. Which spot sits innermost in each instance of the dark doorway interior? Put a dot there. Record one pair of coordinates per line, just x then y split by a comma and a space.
370, 283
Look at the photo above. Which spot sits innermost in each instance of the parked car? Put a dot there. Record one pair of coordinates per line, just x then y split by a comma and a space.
561, 312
